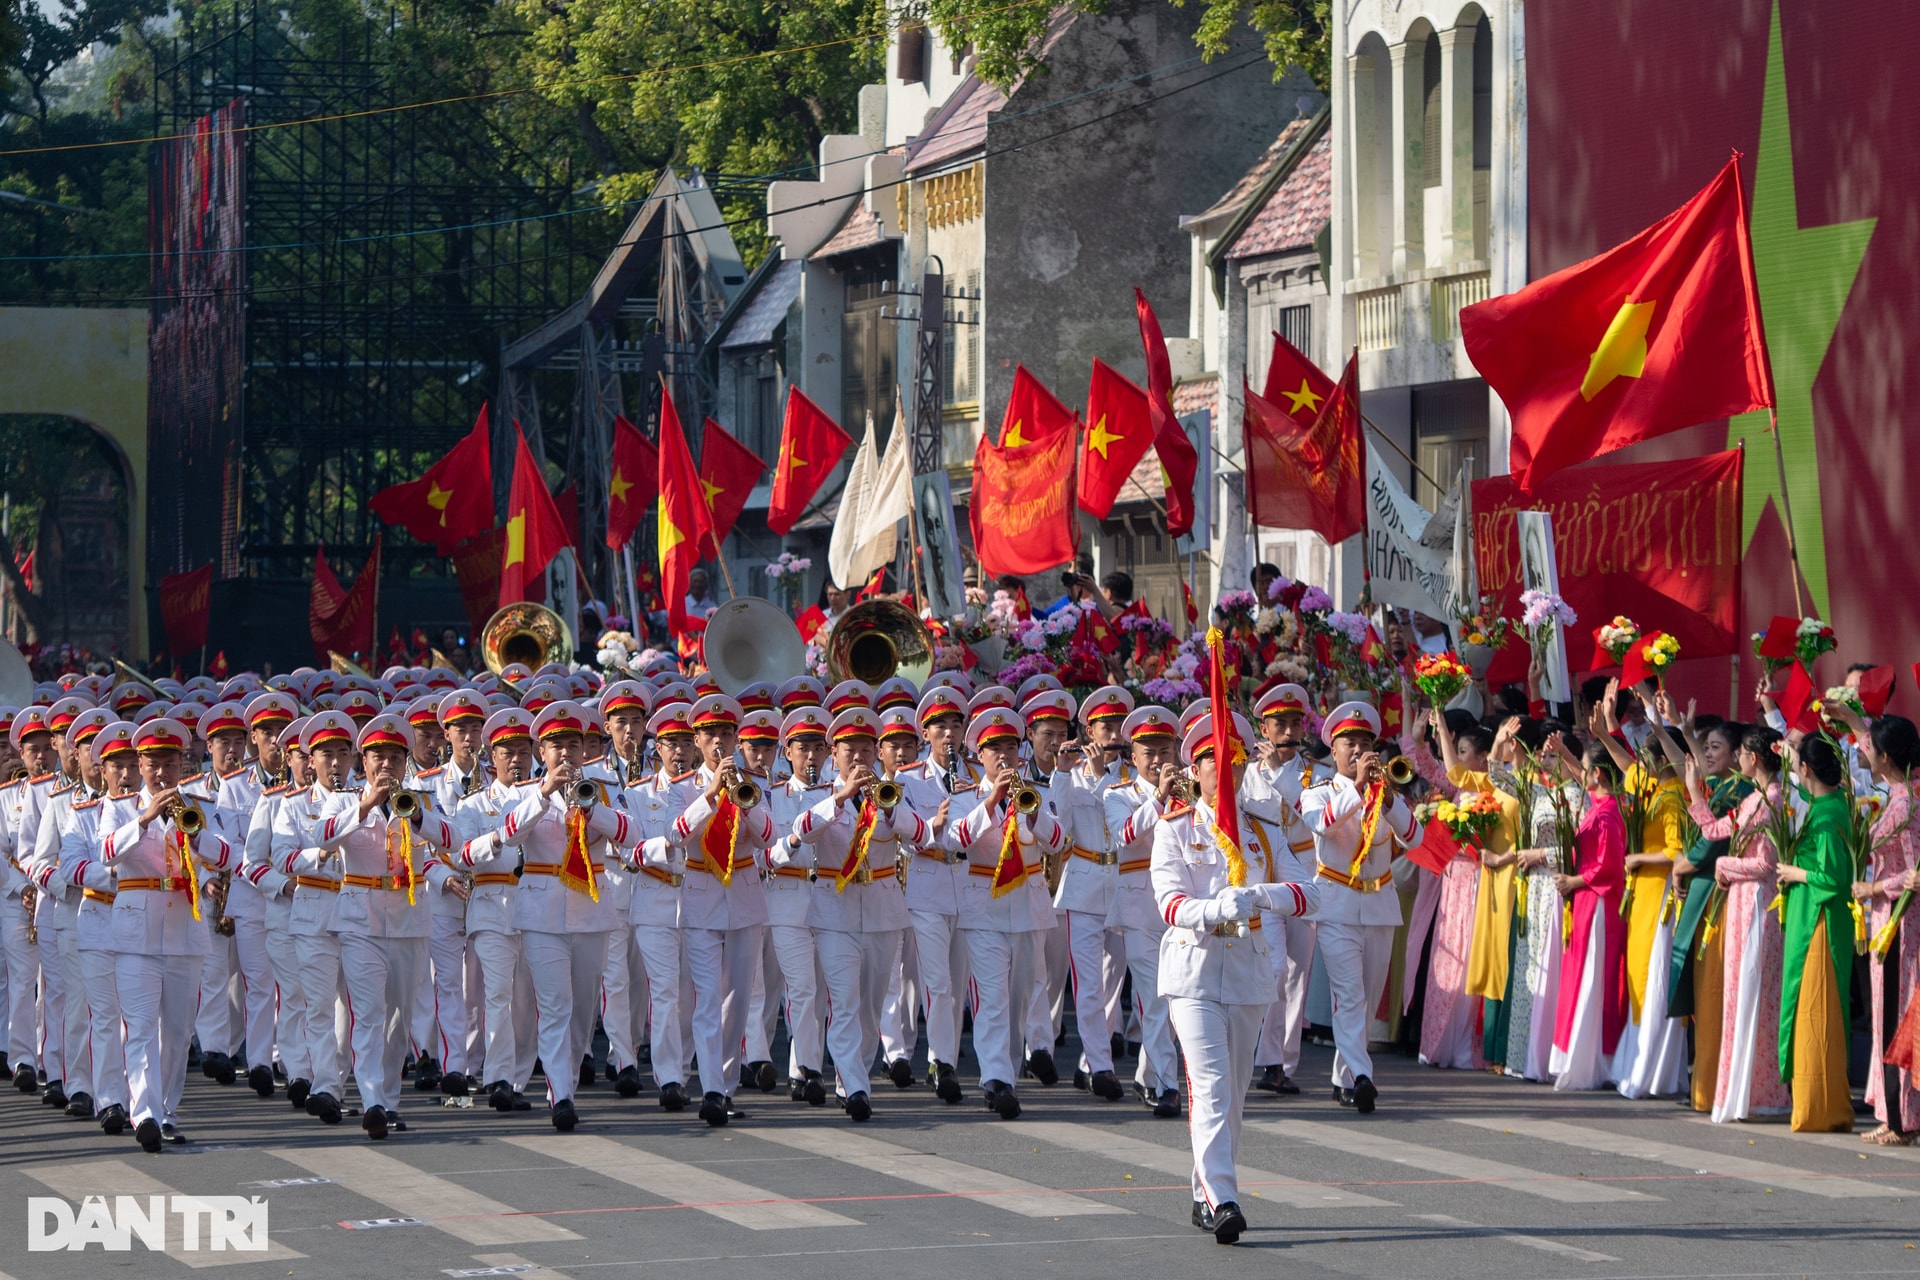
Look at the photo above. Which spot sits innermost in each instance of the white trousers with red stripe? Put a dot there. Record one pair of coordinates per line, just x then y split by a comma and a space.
1287, 1015
721, 964
623, 1000
157, 995
855, 966
566, 970
799, 975
1005, 968
1219, 1040
320, 983
290, 1007
458, 998
509, 1013
381, 975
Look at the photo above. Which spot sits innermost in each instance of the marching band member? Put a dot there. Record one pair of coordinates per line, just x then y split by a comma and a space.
858, 911
1006, 909
655, 913
380, 914
20, 803
327, 741
448, 1015
563, 922
723, 906
789, 901
1088, 880
276, 889
1277, 778
624, 705
1214, 972
159, 932
506, 983
113, 748
896, 759
1355, 816
16, 908
937, 883
759, 747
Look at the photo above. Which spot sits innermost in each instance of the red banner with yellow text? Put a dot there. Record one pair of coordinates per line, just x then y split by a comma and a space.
1022, 506
1658, 542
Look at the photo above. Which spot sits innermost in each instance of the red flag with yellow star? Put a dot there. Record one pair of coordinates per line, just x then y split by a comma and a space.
684, 518
1295, 383
452, 500
1660, 333
1179, 460
632, 483
810, 444
728, 472
535, 531
1033, 413
1119, 433
1311, 476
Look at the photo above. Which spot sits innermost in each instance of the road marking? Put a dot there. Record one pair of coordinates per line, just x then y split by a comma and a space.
447, 1206
1531, 1242
903, 1164
1275, 1187
1848, 1142
82, 1178
1692, 1159
509, 1264
1451, 1164
723, 1197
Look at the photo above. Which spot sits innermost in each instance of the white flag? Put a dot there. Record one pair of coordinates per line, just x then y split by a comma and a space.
891, 493
1406, 574
850, 561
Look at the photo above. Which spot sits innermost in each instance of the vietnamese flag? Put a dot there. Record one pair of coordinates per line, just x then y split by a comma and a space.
1295, 383
1227, 752
1312, 477
1660, 333
810, 444
1179, 460
1033, 412
1022, 508
684, 518
633, 482
728, 472
535, 531
452, 500
1119, 432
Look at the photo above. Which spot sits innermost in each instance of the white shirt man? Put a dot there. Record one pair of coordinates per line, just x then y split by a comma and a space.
789, 892
276, 889
31, 993
93, 882
623, 706
937, 880
660, 875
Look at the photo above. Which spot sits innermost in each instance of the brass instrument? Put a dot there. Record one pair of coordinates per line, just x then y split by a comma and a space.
875, 641
124, 674
741, 790
476, 780
1026, 799
29, 897
1182, 789
406, 804
1400, 771
187, 817
340, 664
528, 633
19, 771
583, 793
218, 889
749, 640
885, 793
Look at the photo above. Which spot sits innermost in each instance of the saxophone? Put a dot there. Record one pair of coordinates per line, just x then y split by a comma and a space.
29, 897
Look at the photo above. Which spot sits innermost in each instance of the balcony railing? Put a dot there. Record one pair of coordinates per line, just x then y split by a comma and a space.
1377, 315
1446, 296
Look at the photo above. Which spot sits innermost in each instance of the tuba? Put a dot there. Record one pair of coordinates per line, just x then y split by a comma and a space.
875, 641
750, 640
528, 633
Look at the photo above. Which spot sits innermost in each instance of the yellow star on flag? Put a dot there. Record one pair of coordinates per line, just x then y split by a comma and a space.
516, 538
618, 486
1014, 439
670, 535
1622, 352
794, 459
437, 499
1304, 398
713, 490
1099, 438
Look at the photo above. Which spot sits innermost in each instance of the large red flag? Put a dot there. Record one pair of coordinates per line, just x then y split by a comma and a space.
1227, 752
1295, 383
1660, 333
1179, 461
1119, 433
1033, 412
536, 533
633, 482
340, 619
728, 472
1311, 477
452, 499
186, 601
684, 518
810, 444
1022, 509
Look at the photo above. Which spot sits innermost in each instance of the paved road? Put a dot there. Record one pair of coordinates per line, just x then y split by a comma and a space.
1458, 1175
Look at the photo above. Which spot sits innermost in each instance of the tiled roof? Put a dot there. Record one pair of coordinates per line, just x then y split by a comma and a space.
1196, 394
959, 128
1250, 181
861, 230
1293, 215
762, 315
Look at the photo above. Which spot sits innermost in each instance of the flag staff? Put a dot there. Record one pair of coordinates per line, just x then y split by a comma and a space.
1786, 508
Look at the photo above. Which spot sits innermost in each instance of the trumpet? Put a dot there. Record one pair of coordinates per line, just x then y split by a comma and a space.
1400, 771
583, 793
743, 792
1182, 789
187, 818
405, 804
1026, 799
19, 771
885, 793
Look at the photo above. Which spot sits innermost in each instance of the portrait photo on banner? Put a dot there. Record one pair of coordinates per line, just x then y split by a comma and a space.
939, 546
1540, 571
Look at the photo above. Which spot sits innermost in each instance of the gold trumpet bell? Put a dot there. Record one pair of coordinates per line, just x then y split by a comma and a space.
877, 640
528, 633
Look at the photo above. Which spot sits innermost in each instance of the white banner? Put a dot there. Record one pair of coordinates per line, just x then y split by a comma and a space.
1406, 573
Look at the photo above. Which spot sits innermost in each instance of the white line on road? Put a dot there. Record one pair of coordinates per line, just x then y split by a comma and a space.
1278, 1188
461, 1213
1350, 1139
1002, 1191
82, 1178
1531, 1242
1693, 1159
723, 1197
533, 1270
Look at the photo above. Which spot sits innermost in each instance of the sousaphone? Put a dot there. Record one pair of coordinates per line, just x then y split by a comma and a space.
528, 633
750, 640
877, 640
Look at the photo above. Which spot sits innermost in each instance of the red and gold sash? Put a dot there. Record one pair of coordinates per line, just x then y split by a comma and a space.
1010, 872
576, 868
857, 850
718, 841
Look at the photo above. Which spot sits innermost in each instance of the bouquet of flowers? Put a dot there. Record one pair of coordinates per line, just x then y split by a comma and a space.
1235, 610
619, 654
1299, 597
1617, 637
1829, 703
1768, 665
1479, 622
1659, 654
1812, 639
1470, 819
1540, 613
1441, 676
789, 571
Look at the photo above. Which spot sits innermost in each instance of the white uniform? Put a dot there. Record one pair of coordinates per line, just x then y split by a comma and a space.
65, 1015
936, 888
218, 1022
1088, 886
238, 799
1133, 812
1356, 918
621, 1014
30, 993
1218, 983
1279, 790
93, 882
447, 1014
654, 918
789, 892
316, 947
275, 890
506, 983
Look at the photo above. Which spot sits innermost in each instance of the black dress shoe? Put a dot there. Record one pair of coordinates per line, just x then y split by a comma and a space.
1000, 1099
1364, 1095
325, 1106
394, 1123
427, 1074
172, 1135
612, 1072
297, 1091
1269, 1079
900, 1071
564, 1115
113, 1120
279, 1071
517, 1101
1106, 1085
859, 1109
1167, 1107
375, 1123
586, 1072
456, 1084
796, 1089
1287, 1085
627, 1082
946, 1085
673, 1097
763, 1075
1226, 1222
1202, 1216
54, 1097
814, 1091
260, 1079
218, 1067
1082, 1081
1040, 1063
80, 1107
147, 1132
500, 1096
1119, 1045
713, 1109
1343, 1096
